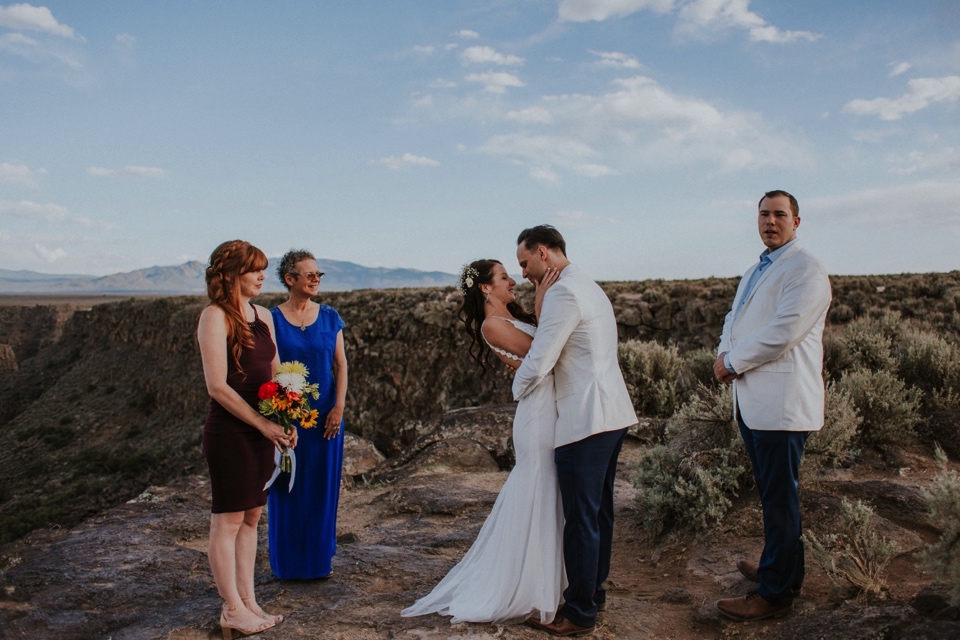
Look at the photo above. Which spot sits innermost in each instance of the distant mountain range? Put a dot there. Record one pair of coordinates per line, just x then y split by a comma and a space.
188, 279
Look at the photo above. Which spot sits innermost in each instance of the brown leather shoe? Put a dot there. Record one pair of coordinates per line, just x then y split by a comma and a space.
751, 571
751, 607
560, 626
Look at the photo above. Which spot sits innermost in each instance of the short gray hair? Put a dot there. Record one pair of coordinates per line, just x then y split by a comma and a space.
289, 262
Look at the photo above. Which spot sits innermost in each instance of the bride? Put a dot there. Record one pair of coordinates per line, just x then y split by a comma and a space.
515, 567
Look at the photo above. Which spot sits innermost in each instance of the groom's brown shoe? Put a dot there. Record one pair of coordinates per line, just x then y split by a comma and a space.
751, 607
751, 571
560, 626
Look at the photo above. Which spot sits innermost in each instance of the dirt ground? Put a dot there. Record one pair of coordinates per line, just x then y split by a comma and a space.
140, 570
658, 589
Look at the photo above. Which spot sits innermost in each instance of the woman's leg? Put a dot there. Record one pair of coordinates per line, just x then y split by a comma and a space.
246, 559
226, 543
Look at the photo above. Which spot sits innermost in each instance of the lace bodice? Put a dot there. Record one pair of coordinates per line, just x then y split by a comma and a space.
528, 329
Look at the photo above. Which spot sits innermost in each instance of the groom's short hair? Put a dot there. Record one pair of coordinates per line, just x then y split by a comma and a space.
542, 234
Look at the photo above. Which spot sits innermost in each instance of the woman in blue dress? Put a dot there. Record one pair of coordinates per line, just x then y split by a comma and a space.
302, 521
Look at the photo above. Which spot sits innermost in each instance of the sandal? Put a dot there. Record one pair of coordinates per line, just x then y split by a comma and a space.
231, 630
251, 604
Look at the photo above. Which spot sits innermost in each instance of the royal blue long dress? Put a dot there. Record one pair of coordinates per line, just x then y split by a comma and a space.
302, 523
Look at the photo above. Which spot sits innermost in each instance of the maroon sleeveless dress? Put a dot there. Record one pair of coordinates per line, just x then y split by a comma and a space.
239, 457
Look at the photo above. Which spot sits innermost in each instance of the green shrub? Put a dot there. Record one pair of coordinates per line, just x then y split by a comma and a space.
889, 409
652, 373
832, 444
705, 422
858, 555
57, 437
687, 482
686, 491
867, 348
943, 497
927, 361
698, 369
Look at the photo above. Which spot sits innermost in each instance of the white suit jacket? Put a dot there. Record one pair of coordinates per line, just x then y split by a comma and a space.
776, 342
577, 340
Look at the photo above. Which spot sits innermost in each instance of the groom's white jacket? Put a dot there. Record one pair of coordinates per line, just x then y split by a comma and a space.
577, 340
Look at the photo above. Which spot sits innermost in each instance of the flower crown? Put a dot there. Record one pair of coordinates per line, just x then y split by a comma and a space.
468, 275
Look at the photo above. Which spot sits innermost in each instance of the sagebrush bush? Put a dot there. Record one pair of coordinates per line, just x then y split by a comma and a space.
890, 410
927, 361
865, 343
858, 555
833, 443
688, 481
689, 491
943, 497
698, 369
704, 422
652, 373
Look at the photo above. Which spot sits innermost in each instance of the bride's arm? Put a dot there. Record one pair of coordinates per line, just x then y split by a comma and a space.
503, 335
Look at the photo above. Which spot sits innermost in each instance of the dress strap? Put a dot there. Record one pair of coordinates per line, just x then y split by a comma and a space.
517, 324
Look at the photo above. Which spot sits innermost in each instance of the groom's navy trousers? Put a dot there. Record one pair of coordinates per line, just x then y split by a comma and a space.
775, 459
586, 470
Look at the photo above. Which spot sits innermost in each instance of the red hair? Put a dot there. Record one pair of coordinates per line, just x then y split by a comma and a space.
228, 262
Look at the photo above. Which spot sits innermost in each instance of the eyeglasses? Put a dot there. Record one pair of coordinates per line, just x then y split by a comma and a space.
310, 275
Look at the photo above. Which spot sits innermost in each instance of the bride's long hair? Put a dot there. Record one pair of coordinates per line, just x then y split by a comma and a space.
471, 309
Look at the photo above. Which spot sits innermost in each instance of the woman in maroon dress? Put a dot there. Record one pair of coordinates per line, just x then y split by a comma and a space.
239, 354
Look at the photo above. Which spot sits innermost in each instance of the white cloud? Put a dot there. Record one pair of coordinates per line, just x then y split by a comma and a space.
599, 10
489, 55
920, 204
125, 40
944, 160
531, 115
897, 69
31, 210
406, 160
617, 60
468, 34
922, 93
703, 19
129, 170
49, 255
496, 81
25, 17
25, 47
49, 213
637, 126
441, 83
544, 154
425, 50
16, 174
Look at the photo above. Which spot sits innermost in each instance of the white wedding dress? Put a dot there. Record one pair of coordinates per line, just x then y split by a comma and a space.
515, 566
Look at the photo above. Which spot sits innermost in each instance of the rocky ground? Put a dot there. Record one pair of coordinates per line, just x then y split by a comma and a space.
140, 570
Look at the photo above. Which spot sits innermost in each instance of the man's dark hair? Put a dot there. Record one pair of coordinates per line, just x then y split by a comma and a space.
794, 205
542, 234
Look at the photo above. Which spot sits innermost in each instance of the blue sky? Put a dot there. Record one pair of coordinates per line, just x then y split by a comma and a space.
426, 134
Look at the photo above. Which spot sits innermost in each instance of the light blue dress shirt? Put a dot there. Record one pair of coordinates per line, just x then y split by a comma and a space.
767, 258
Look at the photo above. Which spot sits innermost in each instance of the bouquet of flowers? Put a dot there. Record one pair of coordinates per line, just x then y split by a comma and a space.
286, 398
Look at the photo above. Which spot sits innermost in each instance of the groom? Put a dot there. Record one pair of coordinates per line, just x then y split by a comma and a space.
577, 340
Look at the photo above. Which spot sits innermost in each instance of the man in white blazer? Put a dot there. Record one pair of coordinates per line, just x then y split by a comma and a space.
771, 350
577, 339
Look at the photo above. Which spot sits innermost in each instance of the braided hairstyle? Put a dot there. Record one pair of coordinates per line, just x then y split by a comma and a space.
228, 262
471, 309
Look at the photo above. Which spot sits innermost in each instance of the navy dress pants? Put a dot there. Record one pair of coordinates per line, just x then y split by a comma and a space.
586, 470
775, 458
